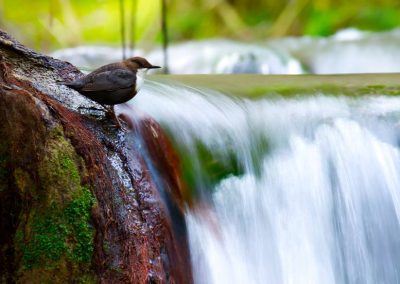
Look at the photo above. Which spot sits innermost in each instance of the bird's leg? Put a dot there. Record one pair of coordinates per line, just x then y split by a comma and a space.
107, 109
111, 113
116, 118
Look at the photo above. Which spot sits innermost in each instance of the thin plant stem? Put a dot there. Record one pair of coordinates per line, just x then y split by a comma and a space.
122, 27
133, 25
165, 34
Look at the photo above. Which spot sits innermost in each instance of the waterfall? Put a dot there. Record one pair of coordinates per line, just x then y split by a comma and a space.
308, 191
288, 190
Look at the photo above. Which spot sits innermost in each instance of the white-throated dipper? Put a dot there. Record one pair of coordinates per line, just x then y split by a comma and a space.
113, 83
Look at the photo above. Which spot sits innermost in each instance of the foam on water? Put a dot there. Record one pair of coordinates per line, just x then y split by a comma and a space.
320, 204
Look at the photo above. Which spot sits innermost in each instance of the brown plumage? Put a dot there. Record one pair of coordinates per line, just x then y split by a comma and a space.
111, 84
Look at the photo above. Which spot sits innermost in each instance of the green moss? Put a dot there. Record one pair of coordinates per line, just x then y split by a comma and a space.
77, 216
61, 233
68, 166
58, 233
48, 240
60, 169
208, 167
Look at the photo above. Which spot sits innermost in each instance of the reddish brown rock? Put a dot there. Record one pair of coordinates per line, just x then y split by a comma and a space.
80, 201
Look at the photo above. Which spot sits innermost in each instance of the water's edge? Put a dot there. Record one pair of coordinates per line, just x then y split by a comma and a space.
252, 85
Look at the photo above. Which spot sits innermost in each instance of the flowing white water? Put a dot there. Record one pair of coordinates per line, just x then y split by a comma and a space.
317, 199
348, 51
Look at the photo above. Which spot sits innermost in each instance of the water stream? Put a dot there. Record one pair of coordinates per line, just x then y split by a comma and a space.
348, 51
289, 190
308, 191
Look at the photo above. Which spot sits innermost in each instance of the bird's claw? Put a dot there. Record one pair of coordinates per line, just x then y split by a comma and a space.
111, 114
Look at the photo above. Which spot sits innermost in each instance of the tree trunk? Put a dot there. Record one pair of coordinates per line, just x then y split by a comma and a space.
78, 202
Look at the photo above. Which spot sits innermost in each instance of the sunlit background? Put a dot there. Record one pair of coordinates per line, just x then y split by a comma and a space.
52, 24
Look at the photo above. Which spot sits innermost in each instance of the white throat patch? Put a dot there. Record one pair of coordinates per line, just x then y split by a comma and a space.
140, 77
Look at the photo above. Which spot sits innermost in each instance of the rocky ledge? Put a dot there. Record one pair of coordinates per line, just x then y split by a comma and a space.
78, 201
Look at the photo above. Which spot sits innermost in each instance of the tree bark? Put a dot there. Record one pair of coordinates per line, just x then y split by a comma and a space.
78, 201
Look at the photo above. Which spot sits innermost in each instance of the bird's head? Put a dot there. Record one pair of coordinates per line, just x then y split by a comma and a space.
135, 63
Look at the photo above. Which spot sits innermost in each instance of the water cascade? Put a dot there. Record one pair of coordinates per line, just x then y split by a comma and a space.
289, 190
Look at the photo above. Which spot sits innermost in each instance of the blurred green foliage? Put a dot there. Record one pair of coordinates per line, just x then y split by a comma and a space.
50, 24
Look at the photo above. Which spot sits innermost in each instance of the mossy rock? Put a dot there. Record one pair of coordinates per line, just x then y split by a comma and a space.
56, 242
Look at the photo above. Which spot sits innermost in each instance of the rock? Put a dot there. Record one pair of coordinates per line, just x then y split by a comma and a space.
78, 201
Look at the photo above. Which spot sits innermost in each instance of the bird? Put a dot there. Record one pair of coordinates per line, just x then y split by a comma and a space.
112, 84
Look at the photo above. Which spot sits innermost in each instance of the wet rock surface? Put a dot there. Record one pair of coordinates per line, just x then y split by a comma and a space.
79, 200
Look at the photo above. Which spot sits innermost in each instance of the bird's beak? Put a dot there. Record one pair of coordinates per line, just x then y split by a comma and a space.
154, 67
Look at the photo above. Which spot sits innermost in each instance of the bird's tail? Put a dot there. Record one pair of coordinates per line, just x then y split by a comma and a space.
62, 82
72, 85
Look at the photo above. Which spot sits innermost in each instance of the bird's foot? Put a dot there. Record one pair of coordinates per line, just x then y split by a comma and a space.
108, 109
110, 113
117, 124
